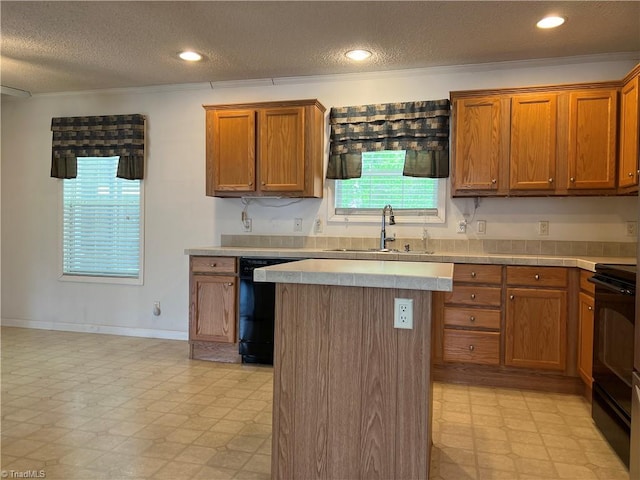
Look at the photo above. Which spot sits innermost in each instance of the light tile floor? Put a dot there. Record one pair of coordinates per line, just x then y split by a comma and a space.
88, 406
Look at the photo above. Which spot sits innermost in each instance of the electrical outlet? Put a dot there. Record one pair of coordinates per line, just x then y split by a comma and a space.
482, 227
297, 224
462, 226
246, 225
403, 313
632, 229
543, 227
317, 225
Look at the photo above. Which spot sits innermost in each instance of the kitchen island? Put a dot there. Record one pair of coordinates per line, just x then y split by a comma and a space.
352, 394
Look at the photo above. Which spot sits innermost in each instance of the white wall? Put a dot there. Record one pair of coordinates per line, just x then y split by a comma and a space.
178, 214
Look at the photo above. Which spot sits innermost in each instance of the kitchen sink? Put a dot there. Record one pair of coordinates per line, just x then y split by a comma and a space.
377, 250
355, 250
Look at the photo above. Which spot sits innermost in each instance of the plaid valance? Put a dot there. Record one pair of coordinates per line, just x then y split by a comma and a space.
420, 128
105, 136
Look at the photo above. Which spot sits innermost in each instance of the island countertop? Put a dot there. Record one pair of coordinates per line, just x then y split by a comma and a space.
432, 276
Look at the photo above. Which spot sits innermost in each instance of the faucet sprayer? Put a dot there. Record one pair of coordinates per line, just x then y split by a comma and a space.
383, 232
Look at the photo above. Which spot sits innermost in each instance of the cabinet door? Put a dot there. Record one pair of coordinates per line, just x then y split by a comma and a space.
231, 158
629, 111
585, 338
536, 323
478, 145
533, 142
592, 139
281, 149
213, 308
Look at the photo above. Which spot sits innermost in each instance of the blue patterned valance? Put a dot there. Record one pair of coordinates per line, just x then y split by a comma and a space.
106, 136
420, 128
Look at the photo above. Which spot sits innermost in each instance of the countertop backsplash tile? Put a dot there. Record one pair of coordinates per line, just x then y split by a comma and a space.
470, 246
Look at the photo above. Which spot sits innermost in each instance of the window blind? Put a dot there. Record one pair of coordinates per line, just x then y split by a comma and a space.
382, 183
101, 221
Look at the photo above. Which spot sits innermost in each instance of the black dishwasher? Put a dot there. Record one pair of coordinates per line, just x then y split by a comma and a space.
257, 311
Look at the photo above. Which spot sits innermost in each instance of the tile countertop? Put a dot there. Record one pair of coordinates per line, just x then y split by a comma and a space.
361, 273
583, 262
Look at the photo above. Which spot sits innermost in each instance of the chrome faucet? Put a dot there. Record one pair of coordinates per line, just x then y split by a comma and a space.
383, 233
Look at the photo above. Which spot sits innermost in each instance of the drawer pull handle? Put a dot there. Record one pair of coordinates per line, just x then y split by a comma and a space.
511, 297
473, 274
536, 276
472, 318
473, 296
471, 348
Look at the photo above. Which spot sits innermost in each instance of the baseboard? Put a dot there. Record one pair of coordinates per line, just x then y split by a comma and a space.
102, 329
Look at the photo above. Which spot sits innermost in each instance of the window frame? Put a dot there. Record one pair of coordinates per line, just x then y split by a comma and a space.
104, 279
402, 216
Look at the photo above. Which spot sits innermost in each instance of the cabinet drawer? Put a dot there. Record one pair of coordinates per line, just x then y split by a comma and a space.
491, 274
471, 347
213, 264
585, 284
470, 317
537, 276
474, 295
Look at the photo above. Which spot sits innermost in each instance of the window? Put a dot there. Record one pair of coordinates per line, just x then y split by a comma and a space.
382, 183
102, 219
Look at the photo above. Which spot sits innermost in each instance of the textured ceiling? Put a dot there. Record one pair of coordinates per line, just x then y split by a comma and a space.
72, 46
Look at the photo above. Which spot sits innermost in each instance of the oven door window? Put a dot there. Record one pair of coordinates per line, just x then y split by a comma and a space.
613, 352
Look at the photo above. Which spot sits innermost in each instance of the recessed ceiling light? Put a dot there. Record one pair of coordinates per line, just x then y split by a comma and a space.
358, 55
190, 56
551, 21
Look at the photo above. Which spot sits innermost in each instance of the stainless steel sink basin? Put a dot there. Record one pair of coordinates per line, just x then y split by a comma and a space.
377, 250
355, 250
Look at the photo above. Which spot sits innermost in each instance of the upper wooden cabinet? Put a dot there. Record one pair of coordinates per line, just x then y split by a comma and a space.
629, 113
271, 148
533, 142
479, 144
591, 154
547, 140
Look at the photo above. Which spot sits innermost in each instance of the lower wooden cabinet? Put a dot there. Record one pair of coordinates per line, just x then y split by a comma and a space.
213, 286
471, 347
586, 314
510, 326
535, 328
470, 316
214, 309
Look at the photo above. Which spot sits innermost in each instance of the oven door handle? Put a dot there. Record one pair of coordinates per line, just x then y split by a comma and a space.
613, 288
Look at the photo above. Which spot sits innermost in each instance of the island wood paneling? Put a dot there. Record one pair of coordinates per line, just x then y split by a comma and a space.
351, 393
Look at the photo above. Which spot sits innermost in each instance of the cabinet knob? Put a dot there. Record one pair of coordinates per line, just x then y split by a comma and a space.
472, 318
572, 179
473, 296
212, 265
230, 284
263, 183
590, 308
511, 297
551, 180
630, 174
250, 184
473, 274
494, 181
536, 276
471, 348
